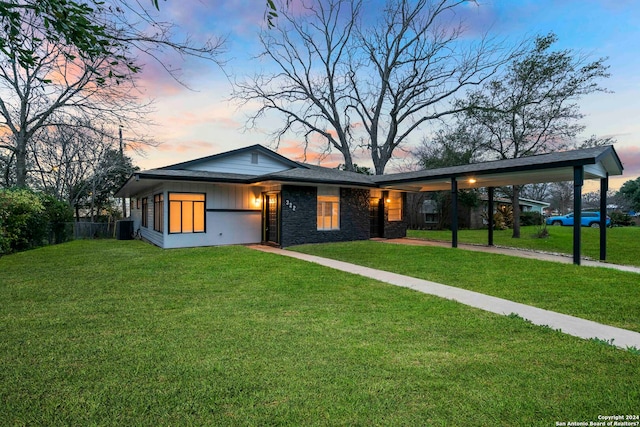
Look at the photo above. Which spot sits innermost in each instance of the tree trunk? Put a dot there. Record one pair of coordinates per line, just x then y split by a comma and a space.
21, 160
516, 211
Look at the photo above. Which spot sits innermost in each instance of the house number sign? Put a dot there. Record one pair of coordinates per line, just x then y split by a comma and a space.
290, 205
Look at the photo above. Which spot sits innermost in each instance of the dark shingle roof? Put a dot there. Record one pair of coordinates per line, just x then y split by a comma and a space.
539, 168
562, 159
321, 175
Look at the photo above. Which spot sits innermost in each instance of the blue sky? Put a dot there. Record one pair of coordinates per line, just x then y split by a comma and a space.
202, 120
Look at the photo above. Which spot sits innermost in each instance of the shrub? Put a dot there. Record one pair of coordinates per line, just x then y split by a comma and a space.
503, 218
620, 219
29, 219
530, 218
58, 214
22, 223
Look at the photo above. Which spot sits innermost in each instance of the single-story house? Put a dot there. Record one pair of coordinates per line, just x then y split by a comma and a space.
254, 195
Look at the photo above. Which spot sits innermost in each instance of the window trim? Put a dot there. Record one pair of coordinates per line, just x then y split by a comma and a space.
326, 198
193, 212
397, 202
158, 212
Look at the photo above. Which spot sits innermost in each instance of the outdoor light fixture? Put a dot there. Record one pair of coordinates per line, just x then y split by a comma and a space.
472, 181
256, 201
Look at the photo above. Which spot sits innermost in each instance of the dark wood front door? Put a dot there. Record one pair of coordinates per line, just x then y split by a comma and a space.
376, 217
272, 218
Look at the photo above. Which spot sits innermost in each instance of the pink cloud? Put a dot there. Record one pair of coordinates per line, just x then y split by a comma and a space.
173, 148
197, 146
630, 157
155, 81
314, 154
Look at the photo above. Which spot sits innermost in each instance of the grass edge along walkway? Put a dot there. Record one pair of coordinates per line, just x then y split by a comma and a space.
513, 251
564, 323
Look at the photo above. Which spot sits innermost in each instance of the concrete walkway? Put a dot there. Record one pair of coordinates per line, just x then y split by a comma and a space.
567, 324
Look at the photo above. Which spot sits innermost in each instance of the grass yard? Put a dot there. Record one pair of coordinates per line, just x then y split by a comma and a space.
623, 243
123, 333
603, 295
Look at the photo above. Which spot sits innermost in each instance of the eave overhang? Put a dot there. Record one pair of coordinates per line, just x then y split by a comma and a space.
597, 163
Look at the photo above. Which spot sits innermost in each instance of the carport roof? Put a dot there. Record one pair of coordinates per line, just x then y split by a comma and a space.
598, 162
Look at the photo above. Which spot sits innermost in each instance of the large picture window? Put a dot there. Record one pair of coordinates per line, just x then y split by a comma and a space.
328, 214
145, 212
158, 212
186, 213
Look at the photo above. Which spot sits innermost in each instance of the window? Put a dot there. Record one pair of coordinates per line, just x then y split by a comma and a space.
145, 212
395, 207
254, 158
328, 215
186, 213
158, 212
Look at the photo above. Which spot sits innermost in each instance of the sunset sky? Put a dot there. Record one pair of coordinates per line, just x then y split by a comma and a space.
202, 120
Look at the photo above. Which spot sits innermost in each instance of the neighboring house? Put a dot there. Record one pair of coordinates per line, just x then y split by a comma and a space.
430, 214
478, 216
474, 217
254, 195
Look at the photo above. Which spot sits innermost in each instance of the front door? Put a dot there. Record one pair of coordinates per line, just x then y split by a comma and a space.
272, 218
376, 217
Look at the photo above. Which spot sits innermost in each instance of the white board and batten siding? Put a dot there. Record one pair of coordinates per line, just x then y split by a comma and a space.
246, 163
232, 215
148, 232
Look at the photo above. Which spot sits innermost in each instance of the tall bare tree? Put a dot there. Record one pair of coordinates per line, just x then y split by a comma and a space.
67, 161
59, 89
532, 108
358, 85
49, 78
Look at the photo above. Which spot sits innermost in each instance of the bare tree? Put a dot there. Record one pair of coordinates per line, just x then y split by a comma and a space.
78, 72
60, 89
355, 86
561, 196
540, 191
65, 158
532, 108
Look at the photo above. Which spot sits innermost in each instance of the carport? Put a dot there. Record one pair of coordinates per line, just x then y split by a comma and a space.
577, 165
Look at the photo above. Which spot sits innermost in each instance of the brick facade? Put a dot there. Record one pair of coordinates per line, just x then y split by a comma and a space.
299, 220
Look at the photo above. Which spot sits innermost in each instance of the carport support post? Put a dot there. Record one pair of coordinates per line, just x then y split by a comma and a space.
490, 215
454, 213
578, 181
604, 187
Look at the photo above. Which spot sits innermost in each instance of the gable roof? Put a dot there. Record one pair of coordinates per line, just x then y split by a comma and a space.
252, 148
294, 172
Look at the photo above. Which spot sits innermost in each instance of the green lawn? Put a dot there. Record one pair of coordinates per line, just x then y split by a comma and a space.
603, 295
123, 333
623, 243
